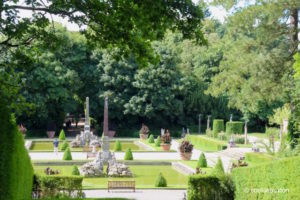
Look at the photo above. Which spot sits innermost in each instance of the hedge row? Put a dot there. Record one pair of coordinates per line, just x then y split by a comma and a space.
276, 180
201, 142
16, 171
258, 157
234, 127
209, 187
218, 126
57, 185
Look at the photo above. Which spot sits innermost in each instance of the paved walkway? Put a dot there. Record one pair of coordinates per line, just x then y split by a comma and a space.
138, 195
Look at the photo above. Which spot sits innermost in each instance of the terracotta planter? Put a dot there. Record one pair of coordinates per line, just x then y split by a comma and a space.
185, 155
51, 134
143, 136
166, 147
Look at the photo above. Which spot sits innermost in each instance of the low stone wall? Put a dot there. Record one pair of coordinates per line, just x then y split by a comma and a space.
28, 144
182, 168
144, 146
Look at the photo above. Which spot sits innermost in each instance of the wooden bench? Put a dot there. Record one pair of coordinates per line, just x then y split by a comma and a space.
121, 185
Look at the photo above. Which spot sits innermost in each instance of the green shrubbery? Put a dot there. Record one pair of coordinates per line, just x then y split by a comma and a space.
60, 186
209, 187
202, 161
218, 126
151, 139
64, 146
67, 154
219, 169
16, 172
202, 142
259, 157
157, 142
75, 170
161, 181
118, 146
234, 127
128, 155
62, 135
276, 175
271, 131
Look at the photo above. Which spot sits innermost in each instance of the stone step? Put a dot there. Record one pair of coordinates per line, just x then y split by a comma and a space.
182, 168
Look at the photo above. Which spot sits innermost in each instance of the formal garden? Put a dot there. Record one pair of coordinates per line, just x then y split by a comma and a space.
174, 100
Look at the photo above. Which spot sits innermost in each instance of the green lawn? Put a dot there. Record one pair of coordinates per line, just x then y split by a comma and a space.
48, 146
144, 175
262, 136
153, 146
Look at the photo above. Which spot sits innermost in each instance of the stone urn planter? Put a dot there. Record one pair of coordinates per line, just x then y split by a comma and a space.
143, 136
165, 146
51, 134
186, 156
186, 150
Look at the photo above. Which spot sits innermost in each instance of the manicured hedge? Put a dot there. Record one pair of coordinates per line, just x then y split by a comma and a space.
209, 187
54, 185
234, 127
218, 126
265, 180
258, 157
202, 142
16, 172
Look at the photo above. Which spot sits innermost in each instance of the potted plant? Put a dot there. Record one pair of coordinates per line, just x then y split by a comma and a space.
166, 141
144, 132
186, 149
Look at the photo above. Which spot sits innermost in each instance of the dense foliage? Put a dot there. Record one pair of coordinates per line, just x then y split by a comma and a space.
218, 126
16, 172
234, 127
203, 187
275, 178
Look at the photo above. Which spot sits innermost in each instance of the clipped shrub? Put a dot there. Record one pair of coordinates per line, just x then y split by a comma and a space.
64, 146
67, 154
210, 187
118, 146
222, 136
128, 155
259, 157
234, 127
52, 187
75, 171
16, 171
202, 142
278, 175
219, 169
151, 139
209, 133
218, 126
161, 181
62, 135
157, 142
202, 161
239, 139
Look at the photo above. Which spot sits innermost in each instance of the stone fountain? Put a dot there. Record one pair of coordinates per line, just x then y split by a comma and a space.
96, 167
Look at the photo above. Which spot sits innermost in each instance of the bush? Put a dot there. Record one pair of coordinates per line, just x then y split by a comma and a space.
157, 142
128, 155
202, 161
151, 139
161, 181
62, 135
64, 146
209, 133
209, 187
16, 172
259, 157
219, 169
75, 171
239, 139
202, 142
276, 175
118, 146
222, 136
67, 154
57, 186
234, 128
218, 126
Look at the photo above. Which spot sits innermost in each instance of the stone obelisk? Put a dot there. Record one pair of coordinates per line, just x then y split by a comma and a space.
105, 120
